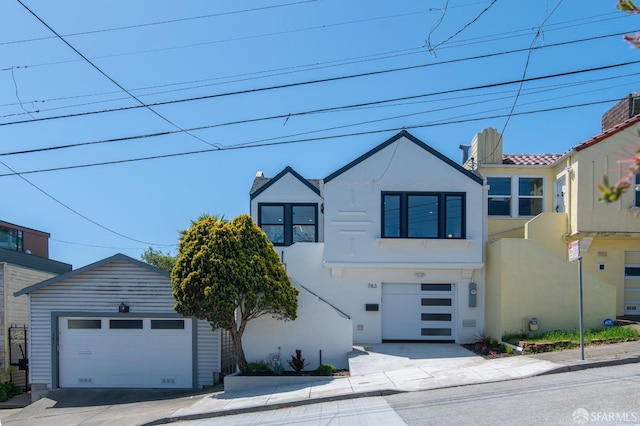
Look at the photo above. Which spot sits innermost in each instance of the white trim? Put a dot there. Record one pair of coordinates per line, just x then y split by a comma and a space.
402, 265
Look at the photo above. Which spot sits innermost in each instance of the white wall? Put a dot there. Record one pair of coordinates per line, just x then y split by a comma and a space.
353, 207
289, 189
318, 328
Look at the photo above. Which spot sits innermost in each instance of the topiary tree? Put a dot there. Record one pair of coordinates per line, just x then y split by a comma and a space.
229, 274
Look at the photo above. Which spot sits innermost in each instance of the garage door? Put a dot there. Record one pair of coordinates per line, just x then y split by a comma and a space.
632, 283
418, 312
125, 352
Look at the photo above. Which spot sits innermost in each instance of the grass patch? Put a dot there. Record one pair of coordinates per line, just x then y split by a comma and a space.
615, 334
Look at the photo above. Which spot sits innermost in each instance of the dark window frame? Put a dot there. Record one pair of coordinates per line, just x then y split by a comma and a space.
442, 214
288, 220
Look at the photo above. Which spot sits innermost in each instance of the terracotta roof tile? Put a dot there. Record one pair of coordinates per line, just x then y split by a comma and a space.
530, 159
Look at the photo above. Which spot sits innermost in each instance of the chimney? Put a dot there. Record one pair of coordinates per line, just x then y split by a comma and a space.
623, 110
259, 174
486, 147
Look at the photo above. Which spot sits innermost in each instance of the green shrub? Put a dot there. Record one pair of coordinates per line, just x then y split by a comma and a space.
325, 370
258, 367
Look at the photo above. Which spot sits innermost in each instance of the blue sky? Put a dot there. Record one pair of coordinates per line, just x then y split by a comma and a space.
234, 57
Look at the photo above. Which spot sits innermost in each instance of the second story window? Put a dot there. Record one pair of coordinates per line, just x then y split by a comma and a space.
423, 215
530, 196
499, 196
515, 197
288, 223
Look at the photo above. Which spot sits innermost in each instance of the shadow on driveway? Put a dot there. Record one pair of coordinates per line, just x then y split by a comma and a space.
67, 398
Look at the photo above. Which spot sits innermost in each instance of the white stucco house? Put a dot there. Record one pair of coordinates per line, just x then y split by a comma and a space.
393, 241
112, 324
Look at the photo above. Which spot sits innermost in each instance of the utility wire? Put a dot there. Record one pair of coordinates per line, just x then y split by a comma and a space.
94, 66
311, 82
68, 207
254, 75
524, 74
170, 21
322, 110
248, 145
433, 48
281, 116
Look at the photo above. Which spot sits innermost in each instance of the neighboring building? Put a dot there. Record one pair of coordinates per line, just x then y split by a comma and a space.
23, 262
537, 204
394, 241
112, 324
24, 240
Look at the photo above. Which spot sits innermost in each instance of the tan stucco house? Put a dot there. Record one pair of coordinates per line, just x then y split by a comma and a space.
537, 205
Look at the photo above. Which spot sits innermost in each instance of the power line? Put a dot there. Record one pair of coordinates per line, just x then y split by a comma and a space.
433, 48
524, 73
255, 75
71, 209
316, 111
169, 21
310, 82
248, 145
94, 66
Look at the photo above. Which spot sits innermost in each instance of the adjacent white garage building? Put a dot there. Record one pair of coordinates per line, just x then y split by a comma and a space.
112, 324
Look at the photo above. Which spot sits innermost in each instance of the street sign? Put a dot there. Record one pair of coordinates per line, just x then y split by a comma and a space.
574, 250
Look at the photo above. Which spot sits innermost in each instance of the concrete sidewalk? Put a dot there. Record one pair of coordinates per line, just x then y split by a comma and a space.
391, 368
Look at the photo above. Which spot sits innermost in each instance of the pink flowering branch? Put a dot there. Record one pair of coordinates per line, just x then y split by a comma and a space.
628, 6
612, 192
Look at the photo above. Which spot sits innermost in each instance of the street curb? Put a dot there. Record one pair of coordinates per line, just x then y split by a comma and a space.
592, 364
224, 413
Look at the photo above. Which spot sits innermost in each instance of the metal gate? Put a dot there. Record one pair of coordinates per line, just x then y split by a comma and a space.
18, 357
228, 358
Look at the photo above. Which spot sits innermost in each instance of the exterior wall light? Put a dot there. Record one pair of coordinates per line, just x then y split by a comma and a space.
123, 309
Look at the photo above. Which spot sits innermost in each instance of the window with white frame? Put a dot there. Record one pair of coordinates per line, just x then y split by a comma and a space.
516, 196
530, 199
499, 196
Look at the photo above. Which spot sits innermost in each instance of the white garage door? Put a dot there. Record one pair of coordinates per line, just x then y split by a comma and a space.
632, 283
418, 312
125, 352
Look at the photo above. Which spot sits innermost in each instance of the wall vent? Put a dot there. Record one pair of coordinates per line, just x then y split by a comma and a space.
171, 380
85, 380
469, 323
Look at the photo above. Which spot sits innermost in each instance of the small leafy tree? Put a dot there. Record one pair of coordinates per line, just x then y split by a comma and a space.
157, 258
229, 274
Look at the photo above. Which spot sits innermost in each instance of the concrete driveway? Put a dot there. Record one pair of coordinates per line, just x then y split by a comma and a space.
66, 407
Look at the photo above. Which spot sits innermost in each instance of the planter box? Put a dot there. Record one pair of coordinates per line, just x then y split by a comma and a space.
241, 383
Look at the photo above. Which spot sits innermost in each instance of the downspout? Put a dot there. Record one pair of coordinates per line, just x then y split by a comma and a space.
570, 175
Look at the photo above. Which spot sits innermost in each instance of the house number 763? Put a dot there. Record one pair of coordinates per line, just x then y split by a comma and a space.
372, 285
